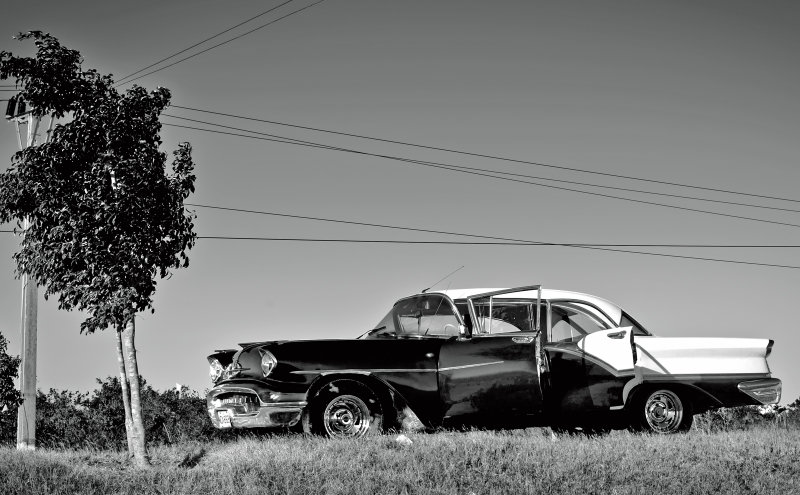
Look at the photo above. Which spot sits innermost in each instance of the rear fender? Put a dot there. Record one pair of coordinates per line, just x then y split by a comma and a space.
700, 399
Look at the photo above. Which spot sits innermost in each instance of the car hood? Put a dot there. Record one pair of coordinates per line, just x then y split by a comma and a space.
322, 356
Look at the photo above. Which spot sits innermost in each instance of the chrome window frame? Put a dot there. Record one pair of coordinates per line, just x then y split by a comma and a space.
490, 295
461, 326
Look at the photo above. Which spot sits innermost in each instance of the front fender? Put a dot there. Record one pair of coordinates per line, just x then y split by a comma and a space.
398, 410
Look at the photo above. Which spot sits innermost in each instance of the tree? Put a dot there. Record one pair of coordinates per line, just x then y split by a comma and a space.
105, 217
10, 397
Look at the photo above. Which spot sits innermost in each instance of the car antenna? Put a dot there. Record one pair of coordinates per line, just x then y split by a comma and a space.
443, 278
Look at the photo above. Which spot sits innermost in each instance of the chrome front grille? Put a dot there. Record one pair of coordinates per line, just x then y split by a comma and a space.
239, 403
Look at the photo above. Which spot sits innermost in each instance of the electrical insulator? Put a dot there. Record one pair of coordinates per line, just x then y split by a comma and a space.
11, 108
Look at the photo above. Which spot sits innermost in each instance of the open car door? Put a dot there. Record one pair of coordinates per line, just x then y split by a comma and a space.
612, 349
495, 370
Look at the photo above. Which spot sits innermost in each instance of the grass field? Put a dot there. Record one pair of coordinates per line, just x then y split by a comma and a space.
760, 460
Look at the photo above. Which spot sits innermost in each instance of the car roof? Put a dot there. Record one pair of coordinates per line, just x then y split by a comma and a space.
612, 310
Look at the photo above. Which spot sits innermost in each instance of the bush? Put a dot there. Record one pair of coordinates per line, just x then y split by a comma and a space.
745, 417
10, 397
62, 420
67, 419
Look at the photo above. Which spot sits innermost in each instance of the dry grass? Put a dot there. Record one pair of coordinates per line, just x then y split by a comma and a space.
763, 460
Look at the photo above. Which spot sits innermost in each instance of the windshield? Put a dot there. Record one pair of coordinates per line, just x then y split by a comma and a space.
424, 315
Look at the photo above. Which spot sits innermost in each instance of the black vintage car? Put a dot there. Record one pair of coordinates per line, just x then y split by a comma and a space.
489, 358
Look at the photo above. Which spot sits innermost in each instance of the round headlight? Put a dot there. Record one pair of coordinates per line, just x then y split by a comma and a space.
215, 369
268, 363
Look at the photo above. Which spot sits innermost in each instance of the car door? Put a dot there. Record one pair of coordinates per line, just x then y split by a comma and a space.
589, 363
494, 377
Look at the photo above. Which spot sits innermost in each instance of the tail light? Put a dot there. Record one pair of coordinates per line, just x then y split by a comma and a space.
765, 391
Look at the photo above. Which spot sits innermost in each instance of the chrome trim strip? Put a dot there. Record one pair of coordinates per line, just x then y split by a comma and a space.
389, 370
285, 404
220, 389
465, 366
365, 371
216, 391
658, 377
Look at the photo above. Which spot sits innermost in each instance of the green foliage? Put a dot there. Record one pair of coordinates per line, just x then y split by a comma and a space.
106, 218
747, 417
61, 420
53, 80
10, 397
67, 419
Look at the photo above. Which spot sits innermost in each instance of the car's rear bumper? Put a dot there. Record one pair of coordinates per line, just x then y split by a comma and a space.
253, 407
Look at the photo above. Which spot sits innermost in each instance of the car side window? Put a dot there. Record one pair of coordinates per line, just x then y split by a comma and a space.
569, 323
426, 314
507, 316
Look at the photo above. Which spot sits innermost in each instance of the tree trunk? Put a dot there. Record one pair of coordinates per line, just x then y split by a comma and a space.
132, 369
126, 393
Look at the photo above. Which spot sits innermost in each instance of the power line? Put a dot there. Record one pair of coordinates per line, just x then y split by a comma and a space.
205, 40
563, 181
517, 243
492, 157
220, 44
476, 236
468, 170
599, 247
498, 243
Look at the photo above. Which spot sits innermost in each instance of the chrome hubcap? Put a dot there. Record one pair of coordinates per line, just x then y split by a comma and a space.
346, 416
663, 411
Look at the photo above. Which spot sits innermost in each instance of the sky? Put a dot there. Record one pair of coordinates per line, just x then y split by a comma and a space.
702, 93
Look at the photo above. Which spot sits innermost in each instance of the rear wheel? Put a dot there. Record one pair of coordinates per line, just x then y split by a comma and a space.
662, 411
344, 409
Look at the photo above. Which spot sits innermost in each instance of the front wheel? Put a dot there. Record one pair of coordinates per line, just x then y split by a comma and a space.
344, 409
662, 411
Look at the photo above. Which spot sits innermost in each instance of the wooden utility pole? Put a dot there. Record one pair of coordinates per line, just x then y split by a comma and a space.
26, 414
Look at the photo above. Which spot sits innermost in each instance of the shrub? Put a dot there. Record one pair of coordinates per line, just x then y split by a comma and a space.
10, 397
67, 419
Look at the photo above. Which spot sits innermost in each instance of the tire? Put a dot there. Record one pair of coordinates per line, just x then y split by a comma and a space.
663, 411
344, 409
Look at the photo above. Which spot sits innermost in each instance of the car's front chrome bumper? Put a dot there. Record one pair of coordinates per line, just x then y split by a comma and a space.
254, 407
765, 391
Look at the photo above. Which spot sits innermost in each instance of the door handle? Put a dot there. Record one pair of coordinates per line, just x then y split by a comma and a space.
616, 335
